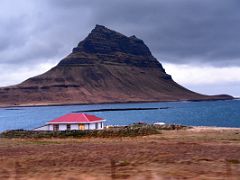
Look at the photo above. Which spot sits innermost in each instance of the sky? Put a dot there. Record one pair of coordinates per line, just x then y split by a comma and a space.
197, 41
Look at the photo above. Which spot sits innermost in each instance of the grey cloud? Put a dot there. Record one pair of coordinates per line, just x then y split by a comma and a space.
177, 31
183, 31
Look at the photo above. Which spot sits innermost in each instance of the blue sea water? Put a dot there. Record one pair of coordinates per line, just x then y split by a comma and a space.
211, 113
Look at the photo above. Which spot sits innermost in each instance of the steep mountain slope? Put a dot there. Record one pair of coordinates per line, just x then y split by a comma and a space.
105, 67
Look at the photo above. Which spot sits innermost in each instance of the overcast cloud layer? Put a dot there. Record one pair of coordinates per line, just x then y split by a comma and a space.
37, 34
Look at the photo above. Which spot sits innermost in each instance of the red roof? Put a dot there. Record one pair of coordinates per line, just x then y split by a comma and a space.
76, 118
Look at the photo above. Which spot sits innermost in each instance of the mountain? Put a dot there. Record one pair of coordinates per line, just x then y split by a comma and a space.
106, 67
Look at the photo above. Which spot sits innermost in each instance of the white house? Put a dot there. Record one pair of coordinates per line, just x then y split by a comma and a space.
73, 121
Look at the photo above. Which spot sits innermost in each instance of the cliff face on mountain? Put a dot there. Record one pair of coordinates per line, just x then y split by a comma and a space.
105, 67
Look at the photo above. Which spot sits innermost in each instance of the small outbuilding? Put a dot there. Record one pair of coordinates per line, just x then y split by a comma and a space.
73, 121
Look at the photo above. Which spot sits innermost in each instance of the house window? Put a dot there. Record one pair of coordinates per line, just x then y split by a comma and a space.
68, 127
55, 127
81, 127
101, 124
96, 126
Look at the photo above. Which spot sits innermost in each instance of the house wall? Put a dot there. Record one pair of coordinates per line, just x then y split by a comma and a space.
99, 125
43, 128
86, 126
91, 126
74, 127
50, 127
62, 127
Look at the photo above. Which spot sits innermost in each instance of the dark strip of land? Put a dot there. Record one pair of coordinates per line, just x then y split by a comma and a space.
121, 109
13, 109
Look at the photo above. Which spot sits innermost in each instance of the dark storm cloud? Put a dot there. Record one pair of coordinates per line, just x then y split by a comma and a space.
177, 31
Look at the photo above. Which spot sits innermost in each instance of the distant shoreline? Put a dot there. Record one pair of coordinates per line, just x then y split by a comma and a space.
127, 102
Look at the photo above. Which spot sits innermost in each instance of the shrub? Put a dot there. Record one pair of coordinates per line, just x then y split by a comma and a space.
126, 131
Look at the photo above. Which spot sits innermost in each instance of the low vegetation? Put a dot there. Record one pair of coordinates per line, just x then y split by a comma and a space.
138, 129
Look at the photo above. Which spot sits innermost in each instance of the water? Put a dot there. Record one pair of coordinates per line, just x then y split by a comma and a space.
213, 113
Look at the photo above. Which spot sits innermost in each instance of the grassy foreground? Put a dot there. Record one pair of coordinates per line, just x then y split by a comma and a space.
195, 153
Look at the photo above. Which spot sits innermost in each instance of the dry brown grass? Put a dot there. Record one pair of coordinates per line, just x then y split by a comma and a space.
182, 154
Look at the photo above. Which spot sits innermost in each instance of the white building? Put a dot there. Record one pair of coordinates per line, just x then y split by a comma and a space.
74, 121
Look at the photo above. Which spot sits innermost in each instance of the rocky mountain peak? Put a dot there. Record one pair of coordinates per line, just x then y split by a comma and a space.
104, 46
102, 40
100, 29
